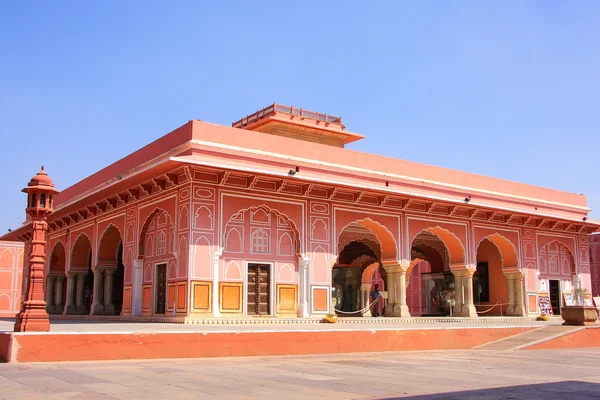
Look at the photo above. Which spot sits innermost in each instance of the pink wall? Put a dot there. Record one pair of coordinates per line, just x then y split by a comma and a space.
11, 270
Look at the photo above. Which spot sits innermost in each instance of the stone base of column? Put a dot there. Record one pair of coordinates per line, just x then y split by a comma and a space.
33, 320
97, 309
303, 309
71, 309
466, 311
397, 311
109, 309
515, 311
510, 309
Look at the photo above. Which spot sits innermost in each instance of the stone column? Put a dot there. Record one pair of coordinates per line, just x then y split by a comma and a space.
458, 294
510, 308
109, 308
136, 288
97, 307
79, 306
365, 299
396, 280
519, 298
58, 294
70, 308
469, 309
303, 287
50, 293
515, 294
215, 289
464, 293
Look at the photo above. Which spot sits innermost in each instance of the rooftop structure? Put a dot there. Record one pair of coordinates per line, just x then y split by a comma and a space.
298, 123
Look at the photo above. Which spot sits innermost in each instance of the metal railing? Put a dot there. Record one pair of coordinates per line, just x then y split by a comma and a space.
289, 110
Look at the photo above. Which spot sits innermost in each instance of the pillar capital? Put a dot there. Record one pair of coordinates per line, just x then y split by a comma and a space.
395, 268
98, 269
514, 274
464, 272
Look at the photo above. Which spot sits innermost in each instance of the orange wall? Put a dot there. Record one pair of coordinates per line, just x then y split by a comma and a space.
80, 347
11, 270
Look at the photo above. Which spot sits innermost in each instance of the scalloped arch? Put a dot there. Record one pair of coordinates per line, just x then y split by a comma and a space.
266, 209
507, 250
389, 248
80, 260
147, 221
102, 254
453, 245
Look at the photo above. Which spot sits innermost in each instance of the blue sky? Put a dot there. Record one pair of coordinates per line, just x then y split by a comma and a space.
508, 89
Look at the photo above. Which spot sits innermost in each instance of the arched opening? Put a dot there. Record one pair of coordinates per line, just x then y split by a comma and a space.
81, 268
55, 287
490, 285
434, 291
357, 272
110, 267
556, 270
156, 251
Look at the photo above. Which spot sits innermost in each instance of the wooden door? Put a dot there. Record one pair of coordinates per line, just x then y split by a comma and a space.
258, 289
161, 288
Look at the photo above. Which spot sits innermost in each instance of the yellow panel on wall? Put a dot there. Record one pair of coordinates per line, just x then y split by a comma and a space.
287, 299
147, 298
230, 298
171, 295
126, 300
181, 296
202, 292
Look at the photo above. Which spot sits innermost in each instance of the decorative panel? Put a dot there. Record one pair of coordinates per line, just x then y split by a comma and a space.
181, 296
202, 295
287, 299
171, 295
126, 300
147, 299
320, 299
230, 298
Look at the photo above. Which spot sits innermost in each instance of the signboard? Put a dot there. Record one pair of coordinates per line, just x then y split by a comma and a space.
588, 302
569, 299
597, 301
545, 306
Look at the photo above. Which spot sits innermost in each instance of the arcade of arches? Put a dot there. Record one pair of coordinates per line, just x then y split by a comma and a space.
84, 288
176, 262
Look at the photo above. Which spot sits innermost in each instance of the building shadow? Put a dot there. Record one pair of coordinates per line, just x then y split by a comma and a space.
564, 390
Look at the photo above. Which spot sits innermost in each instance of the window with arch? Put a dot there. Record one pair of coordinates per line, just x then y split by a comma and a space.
260, 241
43, 200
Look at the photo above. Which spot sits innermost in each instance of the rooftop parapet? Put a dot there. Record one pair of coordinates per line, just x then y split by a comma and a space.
298, 123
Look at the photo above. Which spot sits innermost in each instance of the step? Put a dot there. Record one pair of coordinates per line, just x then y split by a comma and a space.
525, 339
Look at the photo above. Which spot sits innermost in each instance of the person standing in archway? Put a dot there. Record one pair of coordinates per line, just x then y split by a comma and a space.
375, 295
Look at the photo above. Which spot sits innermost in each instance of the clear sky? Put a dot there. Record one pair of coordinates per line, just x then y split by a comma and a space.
509, 89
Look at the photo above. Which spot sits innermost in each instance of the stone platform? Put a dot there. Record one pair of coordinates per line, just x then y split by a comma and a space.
90, 339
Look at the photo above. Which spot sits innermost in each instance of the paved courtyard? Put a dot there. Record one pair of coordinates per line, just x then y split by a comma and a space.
557, 374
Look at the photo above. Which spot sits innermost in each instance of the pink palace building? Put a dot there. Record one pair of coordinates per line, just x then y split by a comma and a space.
273, 217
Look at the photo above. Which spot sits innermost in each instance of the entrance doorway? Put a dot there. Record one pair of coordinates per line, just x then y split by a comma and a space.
259, 289
161, 288
555, 296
